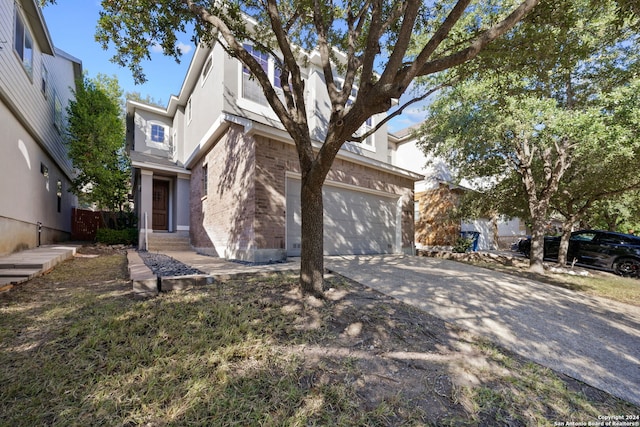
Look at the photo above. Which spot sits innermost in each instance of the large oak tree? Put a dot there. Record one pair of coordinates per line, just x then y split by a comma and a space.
382, 57
539, 118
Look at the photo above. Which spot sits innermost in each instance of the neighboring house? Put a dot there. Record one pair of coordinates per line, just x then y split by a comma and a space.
436, 197
36, 82
218, 164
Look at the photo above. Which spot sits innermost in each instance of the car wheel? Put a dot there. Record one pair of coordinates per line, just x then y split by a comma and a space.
627, 267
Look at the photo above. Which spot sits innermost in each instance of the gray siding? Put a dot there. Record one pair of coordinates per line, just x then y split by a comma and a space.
23, 94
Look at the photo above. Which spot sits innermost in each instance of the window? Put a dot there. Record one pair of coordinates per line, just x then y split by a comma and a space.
157, 134
189, 111
207, 69
251, 89
205, 180
59, 194
57, 112
23, 43
45, 79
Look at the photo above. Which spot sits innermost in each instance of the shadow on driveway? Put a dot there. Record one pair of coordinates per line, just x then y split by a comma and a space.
594, 340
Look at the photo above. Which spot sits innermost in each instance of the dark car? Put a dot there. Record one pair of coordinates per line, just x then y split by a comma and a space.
604, 250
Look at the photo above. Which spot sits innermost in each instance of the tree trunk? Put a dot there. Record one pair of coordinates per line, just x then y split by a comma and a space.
311, 260
564, 244
537, 247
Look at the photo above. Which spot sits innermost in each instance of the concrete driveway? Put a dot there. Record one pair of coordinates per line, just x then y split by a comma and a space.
591, 339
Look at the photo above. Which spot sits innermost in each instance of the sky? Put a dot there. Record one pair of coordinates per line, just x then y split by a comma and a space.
72, 26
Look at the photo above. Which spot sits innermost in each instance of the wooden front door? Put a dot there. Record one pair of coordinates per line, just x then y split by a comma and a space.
160, 217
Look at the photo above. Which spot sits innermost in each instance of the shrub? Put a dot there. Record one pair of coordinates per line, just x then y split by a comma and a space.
463, 244
126, 236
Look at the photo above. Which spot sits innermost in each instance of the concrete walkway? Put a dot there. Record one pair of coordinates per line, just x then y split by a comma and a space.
24, 265
591, 339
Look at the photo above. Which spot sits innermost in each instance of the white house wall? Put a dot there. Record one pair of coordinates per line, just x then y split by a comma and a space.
206, 103
33, 158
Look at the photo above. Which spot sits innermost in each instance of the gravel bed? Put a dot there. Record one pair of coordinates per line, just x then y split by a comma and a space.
165, 266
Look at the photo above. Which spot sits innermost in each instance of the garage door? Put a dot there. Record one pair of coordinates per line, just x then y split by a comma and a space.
355, 222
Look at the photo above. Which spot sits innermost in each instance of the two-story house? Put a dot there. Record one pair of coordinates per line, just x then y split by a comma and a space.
36, 83
216, 164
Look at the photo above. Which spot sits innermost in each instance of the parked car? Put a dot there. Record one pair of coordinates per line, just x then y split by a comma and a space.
603, 250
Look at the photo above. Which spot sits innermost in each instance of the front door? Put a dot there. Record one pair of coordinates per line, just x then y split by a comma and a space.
160, 217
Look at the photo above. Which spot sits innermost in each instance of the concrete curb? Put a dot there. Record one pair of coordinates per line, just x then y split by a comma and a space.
147, 284
144, 282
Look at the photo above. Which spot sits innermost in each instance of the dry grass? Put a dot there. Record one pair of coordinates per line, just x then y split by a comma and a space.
78, 349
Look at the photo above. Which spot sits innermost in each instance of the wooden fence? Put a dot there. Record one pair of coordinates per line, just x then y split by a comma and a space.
85, 224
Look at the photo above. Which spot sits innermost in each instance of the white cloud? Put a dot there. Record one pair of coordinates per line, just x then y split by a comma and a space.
184, 47
156, 48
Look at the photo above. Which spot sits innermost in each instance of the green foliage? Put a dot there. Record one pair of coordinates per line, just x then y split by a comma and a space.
546, 119
96, 141
463, 244
126, 236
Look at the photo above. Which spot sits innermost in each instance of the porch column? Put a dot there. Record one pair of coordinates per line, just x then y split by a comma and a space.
146, 204
182, 191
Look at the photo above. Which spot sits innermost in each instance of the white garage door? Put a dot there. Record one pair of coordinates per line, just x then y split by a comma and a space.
355, 222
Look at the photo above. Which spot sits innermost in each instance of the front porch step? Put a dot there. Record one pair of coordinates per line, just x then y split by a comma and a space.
169, 242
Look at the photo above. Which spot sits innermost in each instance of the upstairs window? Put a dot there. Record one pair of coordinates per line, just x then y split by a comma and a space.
23, 43
157, 134
251, 89
206, 70
45, 81
58, 118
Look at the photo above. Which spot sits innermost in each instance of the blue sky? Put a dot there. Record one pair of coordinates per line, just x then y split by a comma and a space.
72, 25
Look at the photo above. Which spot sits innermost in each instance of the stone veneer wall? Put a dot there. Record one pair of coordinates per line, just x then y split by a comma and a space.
243, 215
275, 158
221, 222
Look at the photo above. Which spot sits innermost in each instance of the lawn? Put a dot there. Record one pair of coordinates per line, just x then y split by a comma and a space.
79, 349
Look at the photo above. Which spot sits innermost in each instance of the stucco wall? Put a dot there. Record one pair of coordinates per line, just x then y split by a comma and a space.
28, 195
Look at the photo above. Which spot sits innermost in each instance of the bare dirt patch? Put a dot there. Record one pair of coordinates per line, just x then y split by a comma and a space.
78, 348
